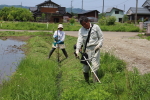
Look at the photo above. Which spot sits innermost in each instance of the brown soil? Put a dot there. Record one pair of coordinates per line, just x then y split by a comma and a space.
131, 49
19, 38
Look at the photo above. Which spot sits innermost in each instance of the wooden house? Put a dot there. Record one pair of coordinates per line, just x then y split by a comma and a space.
143, 13
48, 11
91, 14
118, 13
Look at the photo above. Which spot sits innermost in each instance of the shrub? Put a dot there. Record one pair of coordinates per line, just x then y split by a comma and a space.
111, 20
125, 18
102, 21
72, 21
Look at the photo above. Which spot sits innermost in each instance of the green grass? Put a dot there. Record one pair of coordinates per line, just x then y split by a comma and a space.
118, 27
143, 36
39, 78
25, 33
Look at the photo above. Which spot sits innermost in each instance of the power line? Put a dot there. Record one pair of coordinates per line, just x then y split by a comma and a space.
121, 3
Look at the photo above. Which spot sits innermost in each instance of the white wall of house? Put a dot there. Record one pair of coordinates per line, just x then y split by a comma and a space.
117, 13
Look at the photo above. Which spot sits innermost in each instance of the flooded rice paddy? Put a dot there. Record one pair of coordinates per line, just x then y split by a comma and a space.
10, 57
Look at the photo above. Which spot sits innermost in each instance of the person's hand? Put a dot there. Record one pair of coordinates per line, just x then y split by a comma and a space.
58, 42
56, 38
96, 48
54, 43
77, 53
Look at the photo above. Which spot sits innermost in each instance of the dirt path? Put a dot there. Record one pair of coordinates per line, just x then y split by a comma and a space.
127, 46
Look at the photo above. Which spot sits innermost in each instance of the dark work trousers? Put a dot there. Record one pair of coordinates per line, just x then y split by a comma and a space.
53, 49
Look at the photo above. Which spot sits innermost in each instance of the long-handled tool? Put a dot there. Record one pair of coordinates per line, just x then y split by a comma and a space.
58, 47
91, 68
87, 60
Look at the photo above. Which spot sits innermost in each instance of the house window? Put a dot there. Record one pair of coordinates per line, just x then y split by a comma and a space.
116, 12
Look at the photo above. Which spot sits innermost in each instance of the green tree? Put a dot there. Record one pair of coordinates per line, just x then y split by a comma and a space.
12, 13
125, 18
10, 17
4, 13
102, 21
38, 18
101, 15
43, 16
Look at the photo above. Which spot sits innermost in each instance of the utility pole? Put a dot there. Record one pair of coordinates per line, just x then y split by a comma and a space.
124, 8
136, 12
21, 4
82, 5
71, 6
103, 8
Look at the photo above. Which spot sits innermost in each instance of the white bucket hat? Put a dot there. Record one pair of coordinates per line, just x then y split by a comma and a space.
60, 26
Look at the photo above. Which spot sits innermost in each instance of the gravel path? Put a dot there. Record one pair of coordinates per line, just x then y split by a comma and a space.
126, 45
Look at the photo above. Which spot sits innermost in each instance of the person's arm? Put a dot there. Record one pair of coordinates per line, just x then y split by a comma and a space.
100, 38
79, 41
55, 34
63, 37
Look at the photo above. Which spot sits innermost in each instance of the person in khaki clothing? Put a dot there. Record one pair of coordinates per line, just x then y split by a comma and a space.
59, 37
92, 47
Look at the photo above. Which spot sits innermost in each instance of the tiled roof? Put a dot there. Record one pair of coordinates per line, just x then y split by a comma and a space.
110, 9
147, 1
49, 1
84, 12
139, 10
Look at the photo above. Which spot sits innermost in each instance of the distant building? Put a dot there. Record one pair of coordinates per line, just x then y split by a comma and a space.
49, 11
143, 13
91, 14
118, 13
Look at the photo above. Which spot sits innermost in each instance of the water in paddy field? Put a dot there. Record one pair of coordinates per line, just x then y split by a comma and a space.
10, 57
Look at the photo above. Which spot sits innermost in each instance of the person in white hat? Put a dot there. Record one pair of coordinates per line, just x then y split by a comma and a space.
59, 37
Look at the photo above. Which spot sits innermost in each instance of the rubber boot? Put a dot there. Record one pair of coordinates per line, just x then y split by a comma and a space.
86, 77
51, 52
65, 53
94, 78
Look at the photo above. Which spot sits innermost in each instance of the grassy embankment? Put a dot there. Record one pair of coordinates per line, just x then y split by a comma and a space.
39, 78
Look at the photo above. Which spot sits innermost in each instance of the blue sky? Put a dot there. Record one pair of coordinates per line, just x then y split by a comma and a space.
87, 4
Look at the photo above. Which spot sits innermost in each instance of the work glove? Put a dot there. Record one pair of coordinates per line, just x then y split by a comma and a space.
97, 48
56, 38
54, 43
58, 42
77, 54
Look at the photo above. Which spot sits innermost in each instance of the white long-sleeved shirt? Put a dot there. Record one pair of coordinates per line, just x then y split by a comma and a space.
96, 37
60, 34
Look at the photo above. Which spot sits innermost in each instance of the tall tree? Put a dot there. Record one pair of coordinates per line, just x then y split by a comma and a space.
13, 13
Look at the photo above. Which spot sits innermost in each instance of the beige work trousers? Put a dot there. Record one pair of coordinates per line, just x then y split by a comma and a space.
94, 59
